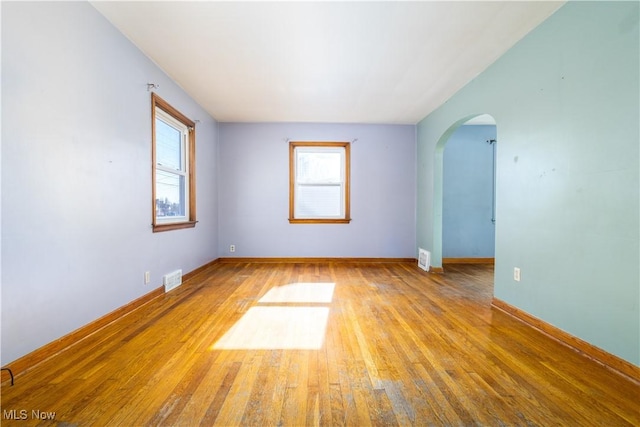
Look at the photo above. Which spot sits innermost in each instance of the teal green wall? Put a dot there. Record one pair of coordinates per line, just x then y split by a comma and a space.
566, 103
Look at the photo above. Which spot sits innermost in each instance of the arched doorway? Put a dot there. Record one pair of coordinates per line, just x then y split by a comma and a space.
466, 235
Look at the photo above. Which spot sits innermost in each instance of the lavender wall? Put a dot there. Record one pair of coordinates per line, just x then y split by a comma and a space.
76, 174
254, 192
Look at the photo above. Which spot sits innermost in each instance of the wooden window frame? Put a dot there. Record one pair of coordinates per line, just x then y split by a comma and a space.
159, 103
347, 182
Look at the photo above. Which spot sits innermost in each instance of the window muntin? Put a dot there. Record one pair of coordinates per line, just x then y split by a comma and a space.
319, 182
170, 141
173, 168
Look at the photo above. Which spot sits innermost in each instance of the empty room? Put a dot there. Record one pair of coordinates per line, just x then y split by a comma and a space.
320, 213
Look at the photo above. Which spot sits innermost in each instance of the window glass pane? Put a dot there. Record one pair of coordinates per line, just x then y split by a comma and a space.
319, 167
168, 145
319, 201
170, 197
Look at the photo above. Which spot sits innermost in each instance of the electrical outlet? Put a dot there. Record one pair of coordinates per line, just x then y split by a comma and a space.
516, 274
147, 277
232, 248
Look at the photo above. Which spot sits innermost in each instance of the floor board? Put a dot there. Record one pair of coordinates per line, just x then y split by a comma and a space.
322, 343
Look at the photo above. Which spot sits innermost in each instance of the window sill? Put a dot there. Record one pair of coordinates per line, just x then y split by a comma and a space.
157, 228
319, 221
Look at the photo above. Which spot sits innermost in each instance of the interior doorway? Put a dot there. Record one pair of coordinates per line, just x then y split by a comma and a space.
468, 205
465, 191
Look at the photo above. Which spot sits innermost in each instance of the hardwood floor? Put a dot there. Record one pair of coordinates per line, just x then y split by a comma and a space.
277, 344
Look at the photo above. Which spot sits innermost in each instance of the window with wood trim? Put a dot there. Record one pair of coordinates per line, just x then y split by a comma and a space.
173, 166
319, 182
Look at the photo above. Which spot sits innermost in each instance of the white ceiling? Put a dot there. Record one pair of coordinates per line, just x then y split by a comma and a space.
349, 62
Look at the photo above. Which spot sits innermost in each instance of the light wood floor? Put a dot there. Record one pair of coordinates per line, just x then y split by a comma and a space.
259, 344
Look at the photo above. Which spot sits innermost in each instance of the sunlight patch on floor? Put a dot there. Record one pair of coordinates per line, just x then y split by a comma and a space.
271, 328
274, 324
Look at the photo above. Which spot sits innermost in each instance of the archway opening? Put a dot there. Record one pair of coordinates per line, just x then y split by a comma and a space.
465, 191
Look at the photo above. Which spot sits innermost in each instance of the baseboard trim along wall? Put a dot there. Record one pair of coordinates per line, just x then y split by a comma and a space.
29, 361
436, 270
47, 351
468, 261
612, 362
314, 260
